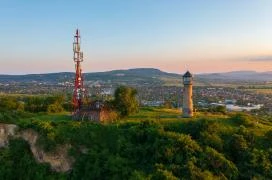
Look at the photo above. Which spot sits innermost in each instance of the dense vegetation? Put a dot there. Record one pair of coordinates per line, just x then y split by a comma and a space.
125, 101
17, 162
34, 104
155, 143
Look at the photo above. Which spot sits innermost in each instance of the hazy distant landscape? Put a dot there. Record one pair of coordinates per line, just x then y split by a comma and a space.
136, 90
140, 75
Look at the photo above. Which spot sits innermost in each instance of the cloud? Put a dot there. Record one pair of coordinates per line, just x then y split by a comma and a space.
261, 59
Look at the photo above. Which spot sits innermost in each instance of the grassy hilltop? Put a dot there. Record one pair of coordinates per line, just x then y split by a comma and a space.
156, 143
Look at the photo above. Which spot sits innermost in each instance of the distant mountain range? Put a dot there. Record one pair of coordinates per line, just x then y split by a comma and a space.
138, 76
239, 76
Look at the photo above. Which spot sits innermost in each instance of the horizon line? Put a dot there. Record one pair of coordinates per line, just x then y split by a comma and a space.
198, 73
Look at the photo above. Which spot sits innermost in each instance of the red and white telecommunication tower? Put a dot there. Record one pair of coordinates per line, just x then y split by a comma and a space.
79, 91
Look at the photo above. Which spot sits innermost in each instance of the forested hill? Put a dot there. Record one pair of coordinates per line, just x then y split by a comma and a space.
130, 74
140, 75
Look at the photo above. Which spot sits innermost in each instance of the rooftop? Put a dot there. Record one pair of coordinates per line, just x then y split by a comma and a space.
187, 74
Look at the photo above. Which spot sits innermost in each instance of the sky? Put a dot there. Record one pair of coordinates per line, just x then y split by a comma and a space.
171, 35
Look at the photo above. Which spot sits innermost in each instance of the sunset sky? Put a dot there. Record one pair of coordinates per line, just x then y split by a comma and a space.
172, 35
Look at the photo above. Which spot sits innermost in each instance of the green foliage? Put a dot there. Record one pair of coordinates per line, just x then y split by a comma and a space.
125, 100
101, 165
238, 147
9, 103
194, 172
17, 162
195, 128
143, 146
67, 106
219, 109
219, 164
212, 140
44, 103
54, 108
268, 135
163, 174
32, 104
243, 119
260, 160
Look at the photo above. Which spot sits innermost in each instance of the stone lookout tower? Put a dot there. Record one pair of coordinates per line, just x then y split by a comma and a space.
187, 105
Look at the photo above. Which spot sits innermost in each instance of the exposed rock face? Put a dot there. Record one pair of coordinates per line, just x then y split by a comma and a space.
6, 130
59, 159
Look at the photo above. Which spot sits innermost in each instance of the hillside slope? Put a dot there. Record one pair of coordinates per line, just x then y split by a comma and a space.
155, 143
58, 160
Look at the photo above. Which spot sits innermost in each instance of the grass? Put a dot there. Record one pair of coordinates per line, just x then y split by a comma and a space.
46, 117
154, 114
174, 117
63, 116
162, 116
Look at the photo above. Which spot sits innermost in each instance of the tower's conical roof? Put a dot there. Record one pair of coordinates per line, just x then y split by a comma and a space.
187, 74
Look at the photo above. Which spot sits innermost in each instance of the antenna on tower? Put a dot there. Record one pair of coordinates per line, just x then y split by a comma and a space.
79, 91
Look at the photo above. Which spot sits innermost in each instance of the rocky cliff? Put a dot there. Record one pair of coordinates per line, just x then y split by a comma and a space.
58, 160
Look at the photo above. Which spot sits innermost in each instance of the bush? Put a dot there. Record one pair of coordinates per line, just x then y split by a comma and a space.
54, 108
219, 164
243, 119
163, 174
212, 140
218, 109
17, 162
238, 146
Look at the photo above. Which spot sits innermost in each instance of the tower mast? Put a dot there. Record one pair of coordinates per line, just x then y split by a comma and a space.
78, 94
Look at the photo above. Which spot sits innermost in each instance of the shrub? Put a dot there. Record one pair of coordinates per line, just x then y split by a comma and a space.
54, 108
243, 119
219, 164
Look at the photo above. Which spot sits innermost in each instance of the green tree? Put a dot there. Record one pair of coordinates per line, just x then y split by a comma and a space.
125, 100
